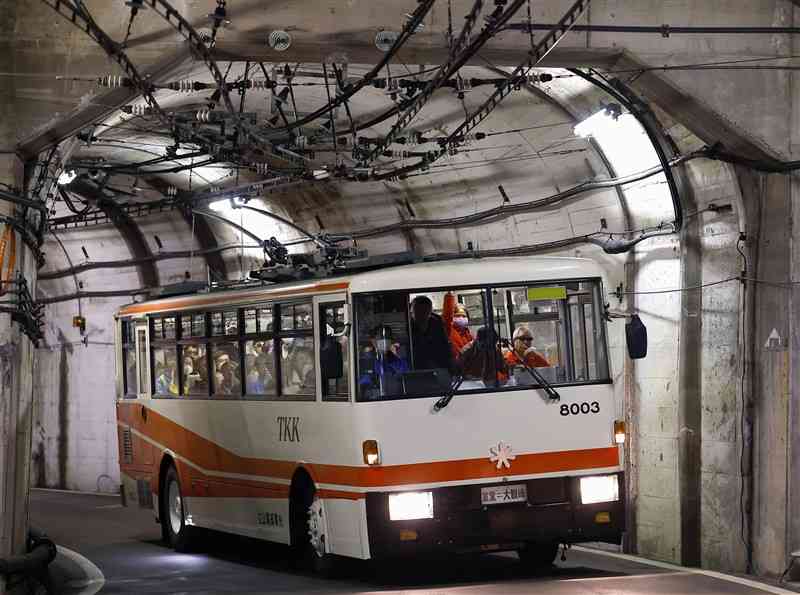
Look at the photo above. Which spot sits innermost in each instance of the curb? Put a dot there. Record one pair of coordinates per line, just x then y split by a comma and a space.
765, 587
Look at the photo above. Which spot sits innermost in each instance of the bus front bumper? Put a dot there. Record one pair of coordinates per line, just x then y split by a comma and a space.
553, 511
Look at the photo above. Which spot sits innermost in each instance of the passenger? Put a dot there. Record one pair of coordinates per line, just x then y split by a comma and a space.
166, 379
475, 360
523, 350
430, 346
456, 324
382, 367
228, 382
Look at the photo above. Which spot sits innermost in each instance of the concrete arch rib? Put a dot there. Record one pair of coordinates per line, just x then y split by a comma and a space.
128, 229
202, 230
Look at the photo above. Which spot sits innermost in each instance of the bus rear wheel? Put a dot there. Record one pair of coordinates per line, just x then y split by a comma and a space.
179, 535
538, 556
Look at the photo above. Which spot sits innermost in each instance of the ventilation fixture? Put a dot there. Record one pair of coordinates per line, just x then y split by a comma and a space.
384, 40
279, 40
127, 446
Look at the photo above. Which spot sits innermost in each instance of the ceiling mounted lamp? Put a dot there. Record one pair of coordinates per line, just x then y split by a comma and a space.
67, 177
384, 40
279, 40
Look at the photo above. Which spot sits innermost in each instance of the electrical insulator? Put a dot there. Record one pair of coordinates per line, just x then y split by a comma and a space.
260, 168
301, 142
419, 27
203, 115
262, 85
137, 109
540, 78
399, 153
172, 191
113, 81
187, 86
463, 86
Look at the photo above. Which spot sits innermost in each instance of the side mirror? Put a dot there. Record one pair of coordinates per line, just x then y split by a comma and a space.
636, 337
331, 362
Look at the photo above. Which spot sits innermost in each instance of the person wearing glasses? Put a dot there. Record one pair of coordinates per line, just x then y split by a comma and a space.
523, 350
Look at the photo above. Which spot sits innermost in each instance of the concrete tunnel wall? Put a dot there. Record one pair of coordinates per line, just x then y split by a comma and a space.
758, 104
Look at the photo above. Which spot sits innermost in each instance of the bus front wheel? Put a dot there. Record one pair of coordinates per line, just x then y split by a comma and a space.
538, 556
309, 533
178, 534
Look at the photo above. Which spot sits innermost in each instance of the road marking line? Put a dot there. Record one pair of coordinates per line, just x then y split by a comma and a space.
713, 574
94, 578
616, 578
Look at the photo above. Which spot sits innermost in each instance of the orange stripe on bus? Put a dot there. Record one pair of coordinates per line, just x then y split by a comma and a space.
214, 458
195, 302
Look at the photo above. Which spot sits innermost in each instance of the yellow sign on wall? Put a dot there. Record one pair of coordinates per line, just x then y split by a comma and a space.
547, 293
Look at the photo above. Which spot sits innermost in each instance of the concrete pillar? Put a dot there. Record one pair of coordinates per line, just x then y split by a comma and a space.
771, 375
16, 381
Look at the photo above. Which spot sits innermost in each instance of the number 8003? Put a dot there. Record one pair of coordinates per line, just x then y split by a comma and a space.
580, 408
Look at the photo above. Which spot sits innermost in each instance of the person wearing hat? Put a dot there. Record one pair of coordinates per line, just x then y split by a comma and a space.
523, 351
382, 369
456, 324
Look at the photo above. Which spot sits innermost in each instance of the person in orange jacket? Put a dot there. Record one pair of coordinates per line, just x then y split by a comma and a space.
456, 324
523, 350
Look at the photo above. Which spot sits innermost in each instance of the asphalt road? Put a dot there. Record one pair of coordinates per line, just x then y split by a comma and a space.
125, 544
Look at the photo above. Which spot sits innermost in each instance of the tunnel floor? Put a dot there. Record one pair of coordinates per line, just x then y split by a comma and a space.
125, 544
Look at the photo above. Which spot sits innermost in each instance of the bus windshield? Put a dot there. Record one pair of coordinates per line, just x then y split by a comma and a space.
412, 343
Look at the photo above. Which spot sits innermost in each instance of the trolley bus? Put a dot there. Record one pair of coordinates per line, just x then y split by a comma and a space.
327, 415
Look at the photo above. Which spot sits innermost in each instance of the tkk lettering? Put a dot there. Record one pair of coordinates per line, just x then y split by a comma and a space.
288, 428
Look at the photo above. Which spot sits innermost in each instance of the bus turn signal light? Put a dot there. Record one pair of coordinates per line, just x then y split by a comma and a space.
371, 454
619, 432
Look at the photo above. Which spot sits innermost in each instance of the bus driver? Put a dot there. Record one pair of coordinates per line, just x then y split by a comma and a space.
431, 347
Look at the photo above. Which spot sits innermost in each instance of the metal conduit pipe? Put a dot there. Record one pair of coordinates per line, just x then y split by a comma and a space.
507, 210
664, 30
117, 264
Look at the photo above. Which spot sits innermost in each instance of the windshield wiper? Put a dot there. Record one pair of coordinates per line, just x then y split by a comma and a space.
448, 396
552, 394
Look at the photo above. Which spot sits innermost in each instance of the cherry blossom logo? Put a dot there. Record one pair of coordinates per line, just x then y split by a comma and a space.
502, 454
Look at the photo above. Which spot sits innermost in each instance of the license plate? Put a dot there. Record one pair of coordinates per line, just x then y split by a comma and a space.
504, 494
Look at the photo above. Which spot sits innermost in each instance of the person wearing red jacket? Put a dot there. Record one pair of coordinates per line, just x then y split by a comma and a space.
456, 324
523, 350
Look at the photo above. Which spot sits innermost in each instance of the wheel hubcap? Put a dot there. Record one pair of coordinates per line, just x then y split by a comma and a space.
175, 507
316, 527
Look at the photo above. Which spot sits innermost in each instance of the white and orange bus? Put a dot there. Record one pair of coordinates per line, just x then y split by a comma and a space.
328, 415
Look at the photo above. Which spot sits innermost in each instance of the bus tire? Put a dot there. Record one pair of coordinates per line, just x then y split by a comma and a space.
309, 533
179, 535
538, 556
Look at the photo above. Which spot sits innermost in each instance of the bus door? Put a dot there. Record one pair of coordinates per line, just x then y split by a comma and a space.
332, 321
142, 359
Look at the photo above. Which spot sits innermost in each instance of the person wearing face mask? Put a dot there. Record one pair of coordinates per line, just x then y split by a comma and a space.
383, 369
456, 324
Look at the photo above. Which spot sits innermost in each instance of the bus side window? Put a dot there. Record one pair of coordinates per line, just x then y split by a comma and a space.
130, 377
333, 353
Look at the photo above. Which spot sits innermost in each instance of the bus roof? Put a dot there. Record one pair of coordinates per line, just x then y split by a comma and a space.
467, 271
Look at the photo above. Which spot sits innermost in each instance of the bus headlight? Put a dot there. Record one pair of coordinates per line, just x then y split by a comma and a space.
408, 506
599, 488
372, 455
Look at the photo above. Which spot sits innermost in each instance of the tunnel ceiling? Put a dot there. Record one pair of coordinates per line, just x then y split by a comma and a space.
407, 141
